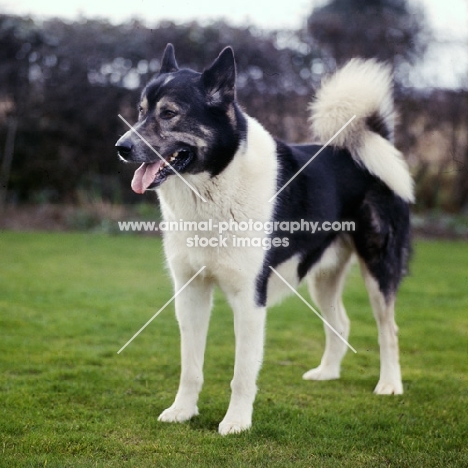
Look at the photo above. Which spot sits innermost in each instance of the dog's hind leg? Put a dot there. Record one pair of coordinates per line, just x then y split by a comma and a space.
249, 328
325, 287
384, 313
193, 306
383, 245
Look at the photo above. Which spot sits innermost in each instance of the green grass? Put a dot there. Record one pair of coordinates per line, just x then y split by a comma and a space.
68, 302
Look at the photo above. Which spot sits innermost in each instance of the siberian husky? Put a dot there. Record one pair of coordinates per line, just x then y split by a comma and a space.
209, 161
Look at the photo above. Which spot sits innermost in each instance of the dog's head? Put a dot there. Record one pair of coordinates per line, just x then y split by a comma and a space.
188, 122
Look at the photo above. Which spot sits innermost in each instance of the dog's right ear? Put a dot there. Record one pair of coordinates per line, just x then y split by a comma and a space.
220, 79
168, 62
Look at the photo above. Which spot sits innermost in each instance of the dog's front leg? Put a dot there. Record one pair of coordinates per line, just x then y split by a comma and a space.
193, 306
249, 327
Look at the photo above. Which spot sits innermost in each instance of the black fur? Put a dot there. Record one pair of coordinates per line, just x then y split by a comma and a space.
334, 188
376, 123
168, 62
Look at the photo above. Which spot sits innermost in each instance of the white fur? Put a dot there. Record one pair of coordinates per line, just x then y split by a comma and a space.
242, 192
384, 312
362, 88
326, 281
277, 289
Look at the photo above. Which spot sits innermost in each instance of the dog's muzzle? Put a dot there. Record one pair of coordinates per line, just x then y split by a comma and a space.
124, 146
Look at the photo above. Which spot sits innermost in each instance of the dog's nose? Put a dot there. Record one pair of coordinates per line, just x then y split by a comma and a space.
124, 146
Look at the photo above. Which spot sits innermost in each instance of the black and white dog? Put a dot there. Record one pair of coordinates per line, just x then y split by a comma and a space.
208, 160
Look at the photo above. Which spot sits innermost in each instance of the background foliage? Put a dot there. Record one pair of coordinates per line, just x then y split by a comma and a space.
63, 84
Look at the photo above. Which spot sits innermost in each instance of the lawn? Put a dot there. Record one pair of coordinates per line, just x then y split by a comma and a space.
69, 302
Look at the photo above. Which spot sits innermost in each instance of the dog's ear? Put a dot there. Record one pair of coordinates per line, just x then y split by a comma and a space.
168, 62
220, 79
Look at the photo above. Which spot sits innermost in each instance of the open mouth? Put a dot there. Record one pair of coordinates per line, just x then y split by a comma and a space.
152, 175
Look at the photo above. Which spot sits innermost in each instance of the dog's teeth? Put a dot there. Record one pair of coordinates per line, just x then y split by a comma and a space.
169, 160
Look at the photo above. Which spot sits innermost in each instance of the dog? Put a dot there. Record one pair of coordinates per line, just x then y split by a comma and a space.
208, 160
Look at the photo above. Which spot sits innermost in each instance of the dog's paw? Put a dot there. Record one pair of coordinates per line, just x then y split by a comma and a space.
322, 373
233, 427
177, 414
388, 388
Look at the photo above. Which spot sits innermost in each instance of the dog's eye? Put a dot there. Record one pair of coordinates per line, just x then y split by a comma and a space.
167, 114
140, 110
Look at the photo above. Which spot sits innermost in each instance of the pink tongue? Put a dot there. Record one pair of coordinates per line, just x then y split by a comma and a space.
144, 176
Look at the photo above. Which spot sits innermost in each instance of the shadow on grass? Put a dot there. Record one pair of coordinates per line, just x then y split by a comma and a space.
206, 421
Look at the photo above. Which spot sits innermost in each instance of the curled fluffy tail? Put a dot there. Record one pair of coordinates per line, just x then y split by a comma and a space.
363, 88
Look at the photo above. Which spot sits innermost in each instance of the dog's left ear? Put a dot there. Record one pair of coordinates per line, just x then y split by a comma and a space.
168, 62
220, 79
